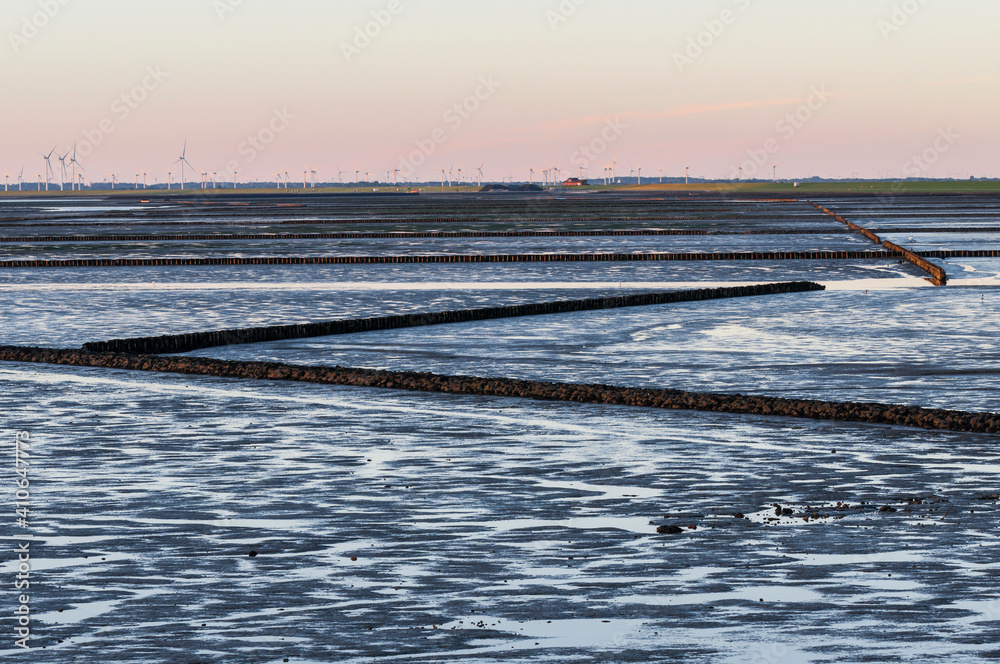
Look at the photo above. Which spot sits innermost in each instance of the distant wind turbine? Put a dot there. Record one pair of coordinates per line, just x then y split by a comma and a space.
73, 162
49, 174
62, 171
183, 161
774, 172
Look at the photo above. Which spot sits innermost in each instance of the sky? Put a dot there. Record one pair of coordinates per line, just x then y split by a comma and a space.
830, 88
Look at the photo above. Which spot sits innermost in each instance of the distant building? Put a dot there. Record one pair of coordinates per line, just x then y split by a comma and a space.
575, 182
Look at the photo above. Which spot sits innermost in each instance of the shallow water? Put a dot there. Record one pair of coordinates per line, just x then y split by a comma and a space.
516, 528
488, 529
825, 345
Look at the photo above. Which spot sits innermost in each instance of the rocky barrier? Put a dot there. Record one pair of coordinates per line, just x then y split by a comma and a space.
854, 228
451, 258
183, 343
872, 413
938, 275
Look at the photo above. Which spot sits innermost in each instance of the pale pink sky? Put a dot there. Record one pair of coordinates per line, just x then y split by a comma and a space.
563, 88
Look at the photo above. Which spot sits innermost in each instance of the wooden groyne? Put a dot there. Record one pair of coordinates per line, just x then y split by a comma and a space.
398, 235
183, 343
451, 258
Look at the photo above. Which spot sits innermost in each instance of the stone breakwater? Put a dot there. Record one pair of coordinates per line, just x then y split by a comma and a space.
854, 228
871, 413
453, 258
182, 343
938, 276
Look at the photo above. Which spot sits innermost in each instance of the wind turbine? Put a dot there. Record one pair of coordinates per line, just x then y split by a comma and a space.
741, 172
144, 179
170, 181
480, 169
20, 179
62, 171
182, 161
73, 162
444, 176
531, 176
687, 171
313, 173
395, 173
6, 180
774, 172
340, 176
305, 179
357, 174
48, 168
